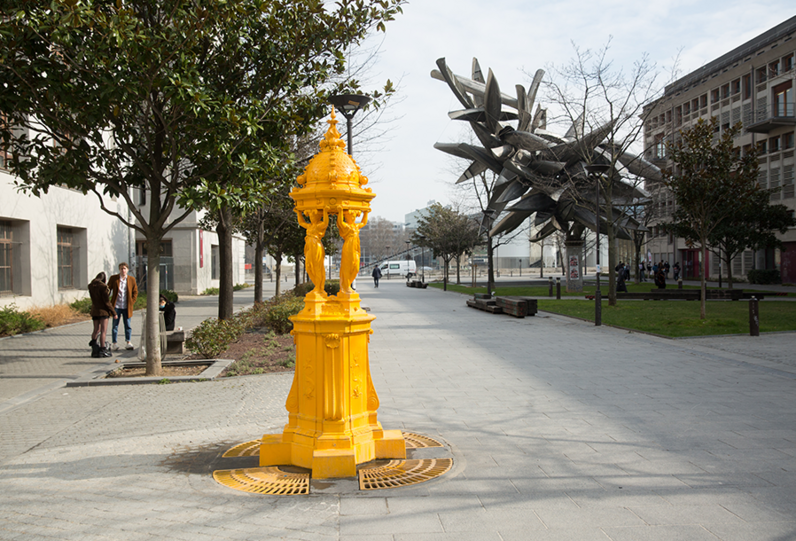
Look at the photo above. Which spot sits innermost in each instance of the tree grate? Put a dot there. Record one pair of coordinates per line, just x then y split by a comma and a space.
249, 448
400, 473
267, 480
417, 441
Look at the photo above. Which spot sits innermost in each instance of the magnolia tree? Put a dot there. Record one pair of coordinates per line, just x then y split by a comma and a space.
166, 96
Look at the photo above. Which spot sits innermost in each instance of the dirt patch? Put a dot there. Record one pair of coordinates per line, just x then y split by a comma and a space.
258, 351
165, 371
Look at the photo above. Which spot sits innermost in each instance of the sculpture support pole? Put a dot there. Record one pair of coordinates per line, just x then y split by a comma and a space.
574, 253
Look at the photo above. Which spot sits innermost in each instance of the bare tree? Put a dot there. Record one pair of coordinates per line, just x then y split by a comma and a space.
593, 96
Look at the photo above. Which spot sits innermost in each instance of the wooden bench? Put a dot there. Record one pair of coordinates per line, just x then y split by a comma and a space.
487, 305
662, 295
513, 306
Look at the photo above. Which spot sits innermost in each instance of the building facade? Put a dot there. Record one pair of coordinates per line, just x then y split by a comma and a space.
752, 84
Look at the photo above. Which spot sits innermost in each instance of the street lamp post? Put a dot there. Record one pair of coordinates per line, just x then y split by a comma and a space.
407, 259
595, 170
422, 258
348, 105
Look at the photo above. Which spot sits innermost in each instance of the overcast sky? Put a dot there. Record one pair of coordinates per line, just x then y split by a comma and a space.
513, 38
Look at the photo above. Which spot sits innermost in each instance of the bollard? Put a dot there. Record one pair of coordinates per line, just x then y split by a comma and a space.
679, 284
598, 308
550, 283
754, 317
558, 289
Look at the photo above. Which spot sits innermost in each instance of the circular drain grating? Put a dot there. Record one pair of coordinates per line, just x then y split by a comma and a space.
267, 480
401, 473
278, 480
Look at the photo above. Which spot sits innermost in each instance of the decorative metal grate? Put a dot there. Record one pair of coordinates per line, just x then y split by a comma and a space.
400, 473
267, 480
249, 448
417, 441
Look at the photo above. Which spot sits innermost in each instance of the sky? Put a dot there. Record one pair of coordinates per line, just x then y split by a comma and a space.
515, 38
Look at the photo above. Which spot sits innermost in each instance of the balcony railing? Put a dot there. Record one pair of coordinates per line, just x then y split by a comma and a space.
772, 117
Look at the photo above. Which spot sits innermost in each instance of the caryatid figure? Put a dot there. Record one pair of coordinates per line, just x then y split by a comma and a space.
349, 264
314, 253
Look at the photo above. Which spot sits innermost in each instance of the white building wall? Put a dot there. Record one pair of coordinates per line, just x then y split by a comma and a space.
100, 242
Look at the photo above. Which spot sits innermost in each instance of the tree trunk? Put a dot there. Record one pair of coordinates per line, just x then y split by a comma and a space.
258, 263
278, 273
490, 263
152, 344
458, 270
729, 273
611, 234
225, 295
297, 269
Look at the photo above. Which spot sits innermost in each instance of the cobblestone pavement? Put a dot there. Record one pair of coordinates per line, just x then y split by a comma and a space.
559, 430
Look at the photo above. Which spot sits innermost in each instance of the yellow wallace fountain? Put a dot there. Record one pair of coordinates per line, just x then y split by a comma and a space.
332, 423
332, 404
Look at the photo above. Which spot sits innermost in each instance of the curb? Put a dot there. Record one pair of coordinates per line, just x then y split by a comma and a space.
93, 377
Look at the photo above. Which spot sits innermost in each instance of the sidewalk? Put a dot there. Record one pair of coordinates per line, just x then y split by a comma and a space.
560, 431
36, 363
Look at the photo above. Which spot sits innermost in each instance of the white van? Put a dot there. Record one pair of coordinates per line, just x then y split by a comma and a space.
399, 268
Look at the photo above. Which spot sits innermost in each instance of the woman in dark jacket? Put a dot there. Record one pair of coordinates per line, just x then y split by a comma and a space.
101, 310
169, 313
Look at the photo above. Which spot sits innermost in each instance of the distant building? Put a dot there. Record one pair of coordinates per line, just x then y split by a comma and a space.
752, 84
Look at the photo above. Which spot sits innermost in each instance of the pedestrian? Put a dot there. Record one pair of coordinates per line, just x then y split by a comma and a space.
660, 278
641, 272
666, 269
124, 292
169, 313
620, 269
101, 310
654, 270
376, 275
676, 270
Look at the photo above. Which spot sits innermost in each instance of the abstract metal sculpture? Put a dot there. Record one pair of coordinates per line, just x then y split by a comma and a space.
540, 172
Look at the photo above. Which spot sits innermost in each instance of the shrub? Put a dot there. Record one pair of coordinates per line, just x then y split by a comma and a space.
82, 306
53, 316
13, 321
279, 310
764, 276
140, 302
211, 291
238, 287
170, 295
212, 336
331, 287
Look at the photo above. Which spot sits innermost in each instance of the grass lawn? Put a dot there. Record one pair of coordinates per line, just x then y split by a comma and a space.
542, 291
666, 318
681, 318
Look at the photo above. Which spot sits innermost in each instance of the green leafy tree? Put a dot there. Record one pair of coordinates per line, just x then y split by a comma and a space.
449, 233
164, 96
712, 184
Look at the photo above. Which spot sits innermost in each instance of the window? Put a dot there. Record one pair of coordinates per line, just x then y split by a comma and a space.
736, 87
773, 144
773, 69
686, 107
714, 95
747, 86
695, 105
165, 248
760, 75
141, 196
703, 100
659, 150
215, 272
65, 258
787, 63
6, 257
725, 91
783, 99
762, 147
787, 140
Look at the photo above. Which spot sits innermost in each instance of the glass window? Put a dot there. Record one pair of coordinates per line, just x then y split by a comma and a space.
761, 75
773, 144
787, 63
736, 87
215, 271
65, 270
787, 140
714, 95
6, 256
747, 86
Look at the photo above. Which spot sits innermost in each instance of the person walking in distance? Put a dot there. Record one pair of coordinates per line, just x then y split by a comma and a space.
124, 292
376, 275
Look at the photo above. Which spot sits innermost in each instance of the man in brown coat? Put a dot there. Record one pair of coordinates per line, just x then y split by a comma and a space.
124, 292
